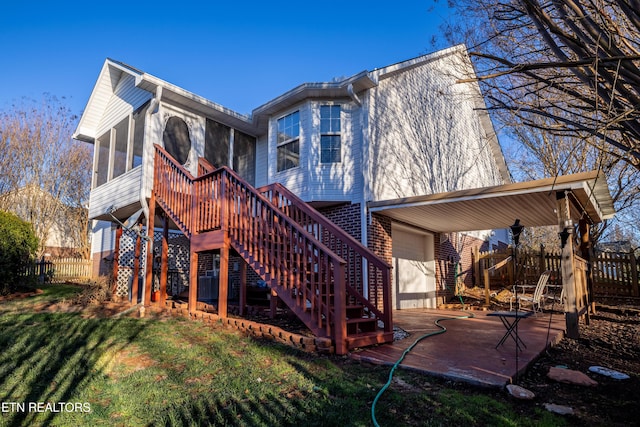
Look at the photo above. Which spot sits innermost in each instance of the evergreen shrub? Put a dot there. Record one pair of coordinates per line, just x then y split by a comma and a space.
18, 247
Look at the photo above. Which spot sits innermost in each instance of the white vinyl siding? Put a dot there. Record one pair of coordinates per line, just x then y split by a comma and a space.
262, 161
337, 181
125, 99
425, 134
102, 237
119, 192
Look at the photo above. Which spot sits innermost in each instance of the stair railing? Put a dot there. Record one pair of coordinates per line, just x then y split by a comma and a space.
359, 258
307, 275
173, 189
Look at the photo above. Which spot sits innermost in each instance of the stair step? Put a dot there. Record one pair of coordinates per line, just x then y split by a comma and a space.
355, 311
368, 338
361, 325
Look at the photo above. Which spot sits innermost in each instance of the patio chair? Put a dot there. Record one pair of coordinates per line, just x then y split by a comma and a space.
539, 294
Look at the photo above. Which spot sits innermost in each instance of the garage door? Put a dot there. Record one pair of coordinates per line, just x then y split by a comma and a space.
414, 284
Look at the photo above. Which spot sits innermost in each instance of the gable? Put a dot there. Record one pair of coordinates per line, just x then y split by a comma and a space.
425, 132
111, 75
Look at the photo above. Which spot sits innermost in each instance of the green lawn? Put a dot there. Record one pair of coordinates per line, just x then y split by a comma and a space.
150, 371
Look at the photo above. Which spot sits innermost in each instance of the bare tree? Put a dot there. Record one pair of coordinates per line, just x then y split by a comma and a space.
575, 62
45, 174
562, 78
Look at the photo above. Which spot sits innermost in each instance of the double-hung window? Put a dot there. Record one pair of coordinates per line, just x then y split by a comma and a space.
289, 141
330, 146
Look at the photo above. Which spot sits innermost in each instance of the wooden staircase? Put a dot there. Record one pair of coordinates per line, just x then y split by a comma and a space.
319, 271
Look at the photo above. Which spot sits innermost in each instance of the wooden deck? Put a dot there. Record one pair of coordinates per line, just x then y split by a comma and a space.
467, 350
310, 264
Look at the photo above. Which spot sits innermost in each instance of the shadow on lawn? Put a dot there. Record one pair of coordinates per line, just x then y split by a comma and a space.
209, 410
50, 357
335, 399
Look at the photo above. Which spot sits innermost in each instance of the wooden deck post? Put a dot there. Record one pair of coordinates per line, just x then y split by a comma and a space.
135, 278
567, 267
585, 253
340, 308
223, 288
164, 266
193, 282
475, 256
116, 260
148, 281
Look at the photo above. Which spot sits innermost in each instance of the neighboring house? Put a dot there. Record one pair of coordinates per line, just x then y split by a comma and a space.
55, 223
356, 149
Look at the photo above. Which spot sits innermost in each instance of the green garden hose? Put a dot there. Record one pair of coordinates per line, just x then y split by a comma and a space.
395, 366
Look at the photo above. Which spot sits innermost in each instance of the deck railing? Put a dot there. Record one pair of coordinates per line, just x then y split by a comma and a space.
173, 188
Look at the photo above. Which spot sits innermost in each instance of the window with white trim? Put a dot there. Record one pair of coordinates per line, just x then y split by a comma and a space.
288, 145
330, 144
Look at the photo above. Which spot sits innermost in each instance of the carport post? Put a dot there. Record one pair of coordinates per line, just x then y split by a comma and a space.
567, 266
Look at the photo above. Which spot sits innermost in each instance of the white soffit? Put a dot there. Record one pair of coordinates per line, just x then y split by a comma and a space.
533, 202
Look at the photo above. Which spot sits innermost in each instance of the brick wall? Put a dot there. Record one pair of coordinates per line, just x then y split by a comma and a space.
346, 217
455, 248
379, 241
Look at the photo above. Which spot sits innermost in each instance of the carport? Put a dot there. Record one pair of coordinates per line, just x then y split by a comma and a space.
572, 202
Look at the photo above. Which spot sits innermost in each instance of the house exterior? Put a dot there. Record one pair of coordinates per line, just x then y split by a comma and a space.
403, 130
400, 131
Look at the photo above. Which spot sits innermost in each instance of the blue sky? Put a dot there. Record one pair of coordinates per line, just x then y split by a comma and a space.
238, 54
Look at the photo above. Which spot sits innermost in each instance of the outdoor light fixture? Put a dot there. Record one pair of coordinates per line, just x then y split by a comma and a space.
564, 236
516, 230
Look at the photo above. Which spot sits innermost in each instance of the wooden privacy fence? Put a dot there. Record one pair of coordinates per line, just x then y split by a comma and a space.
61, 270
614, 273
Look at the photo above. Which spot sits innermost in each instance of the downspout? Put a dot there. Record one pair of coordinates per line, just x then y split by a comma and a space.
155, 102
353, 95
364, 238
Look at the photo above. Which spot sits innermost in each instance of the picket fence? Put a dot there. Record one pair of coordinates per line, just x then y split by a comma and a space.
61, 270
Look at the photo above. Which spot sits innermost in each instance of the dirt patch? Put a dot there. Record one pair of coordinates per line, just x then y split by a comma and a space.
91, 311
127, 361
612, 340
20, 295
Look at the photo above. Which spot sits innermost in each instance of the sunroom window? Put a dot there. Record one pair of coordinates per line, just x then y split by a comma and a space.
102, 159
330, 144
120, 134
119, 149
288, 141
138, 134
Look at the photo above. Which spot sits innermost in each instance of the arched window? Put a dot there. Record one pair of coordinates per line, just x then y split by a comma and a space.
176, 139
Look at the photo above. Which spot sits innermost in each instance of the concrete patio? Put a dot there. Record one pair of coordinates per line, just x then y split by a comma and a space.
467, 350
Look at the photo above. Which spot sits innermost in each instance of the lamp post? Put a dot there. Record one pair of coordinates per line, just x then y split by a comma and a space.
516, 230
